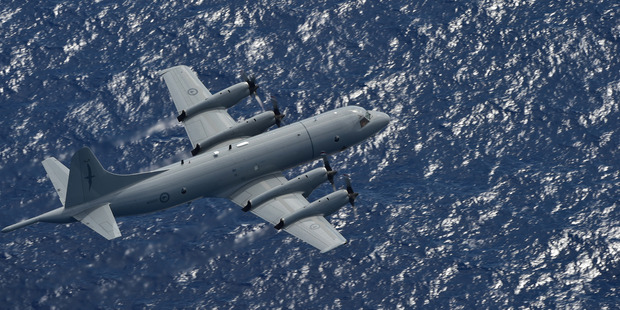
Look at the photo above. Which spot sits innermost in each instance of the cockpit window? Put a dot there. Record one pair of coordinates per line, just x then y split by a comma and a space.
363, 122
365, 119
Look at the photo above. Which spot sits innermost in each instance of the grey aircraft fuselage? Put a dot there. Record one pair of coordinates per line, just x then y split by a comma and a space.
220, 171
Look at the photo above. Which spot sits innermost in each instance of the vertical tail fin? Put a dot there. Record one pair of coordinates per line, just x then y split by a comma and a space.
85, 170
88, 180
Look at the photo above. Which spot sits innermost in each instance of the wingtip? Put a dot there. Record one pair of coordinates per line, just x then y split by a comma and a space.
164, 71
335, 246
114, 235
160, 73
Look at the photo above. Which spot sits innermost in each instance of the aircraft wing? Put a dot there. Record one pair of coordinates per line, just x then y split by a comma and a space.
186, 91
314, 230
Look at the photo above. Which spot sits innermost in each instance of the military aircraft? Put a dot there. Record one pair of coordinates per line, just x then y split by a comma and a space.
241, 161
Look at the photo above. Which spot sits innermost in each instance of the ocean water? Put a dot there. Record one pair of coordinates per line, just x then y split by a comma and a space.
496, 185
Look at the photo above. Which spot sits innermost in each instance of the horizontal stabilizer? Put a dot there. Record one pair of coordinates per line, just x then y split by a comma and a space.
59, 175
100, 220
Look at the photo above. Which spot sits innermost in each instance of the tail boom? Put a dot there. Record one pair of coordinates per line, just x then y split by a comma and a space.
54, 216
85, 190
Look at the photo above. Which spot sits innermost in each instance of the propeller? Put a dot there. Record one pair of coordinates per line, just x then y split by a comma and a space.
276, 110
330, 176
352, 194
251, 80
330, 171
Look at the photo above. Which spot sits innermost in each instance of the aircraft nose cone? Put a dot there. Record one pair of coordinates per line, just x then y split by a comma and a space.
381, 119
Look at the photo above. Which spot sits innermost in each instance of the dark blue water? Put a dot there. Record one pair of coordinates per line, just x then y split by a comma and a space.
495, 185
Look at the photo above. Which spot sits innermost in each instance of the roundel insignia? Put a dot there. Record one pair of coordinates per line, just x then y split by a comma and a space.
164, 197
315, 226
192, 91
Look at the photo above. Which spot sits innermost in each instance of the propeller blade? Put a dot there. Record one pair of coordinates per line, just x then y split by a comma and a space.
352, 193
276, 111
330, 172
347, 179
274, 102
260, 102
251, 80
330, 178
326, 162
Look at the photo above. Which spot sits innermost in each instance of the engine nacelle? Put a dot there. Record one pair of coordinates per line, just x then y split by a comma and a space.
304, 184
324, 207
249, 127
222, 100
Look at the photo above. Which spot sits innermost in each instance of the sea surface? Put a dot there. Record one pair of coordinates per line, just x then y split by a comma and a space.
495, 186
